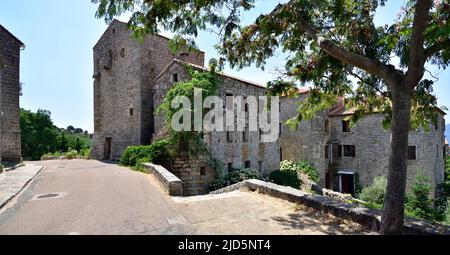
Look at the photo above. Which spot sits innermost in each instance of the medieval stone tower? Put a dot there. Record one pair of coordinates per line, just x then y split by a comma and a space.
10, 145
124, 70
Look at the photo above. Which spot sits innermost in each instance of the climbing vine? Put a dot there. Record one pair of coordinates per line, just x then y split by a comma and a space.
207, 82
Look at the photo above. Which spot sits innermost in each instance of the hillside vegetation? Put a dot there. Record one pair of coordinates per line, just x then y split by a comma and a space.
40, 136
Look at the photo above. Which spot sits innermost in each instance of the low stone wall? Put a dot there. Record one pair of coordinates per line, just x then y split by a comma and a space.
172, 184
367, 217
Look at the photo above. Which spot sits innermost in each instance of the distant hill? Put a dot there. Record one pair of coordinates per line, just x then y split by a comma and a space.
447, 131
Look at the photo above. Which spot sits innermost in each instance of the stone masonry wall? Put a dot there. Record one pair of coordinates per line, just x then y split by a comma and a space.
308, 141
263, 157
10, 143
123, 91
372, 143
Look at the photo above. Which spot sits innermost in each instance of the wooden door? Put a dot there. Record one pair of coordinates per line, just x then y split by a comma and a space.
108, 144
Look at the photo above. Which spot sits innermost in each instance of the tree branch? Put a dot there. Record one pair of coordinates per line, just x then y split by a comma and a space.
375, 67
435, 48
417, 55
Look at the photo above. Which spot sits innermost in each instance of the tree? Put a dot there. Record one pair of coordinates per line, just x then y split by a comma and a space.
38, 133
327, 42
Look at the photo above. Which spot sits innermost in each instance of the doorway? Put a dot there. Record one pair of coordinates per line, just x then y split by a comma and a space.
108, 145
347, 183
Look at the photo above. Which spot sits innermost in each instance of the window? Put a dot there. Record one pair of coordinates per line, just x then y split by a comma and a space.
327, 123
174, 78
412, 152
122, 52
229, 101
436, 125
230, 167
259, 135
109, 61
247, 164
281, 154
327, 149
280, 126
202, 171
346, 126
114, 30
245, 136
349, 151
131, 111
229, 137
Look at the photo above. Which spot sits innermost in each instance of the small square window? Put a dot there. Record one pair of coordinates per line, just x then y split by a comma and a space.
349, 151
202, 171
174, 78
346, 126
247, 164
229, 137
412, 153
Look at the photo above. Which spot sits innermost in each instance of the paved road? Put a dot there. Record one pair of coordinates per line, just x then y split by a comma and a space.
100, 198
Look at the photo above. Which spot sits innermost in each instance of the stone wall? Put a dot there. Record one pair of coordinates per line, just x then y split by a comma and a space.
371, 141
10, 143
263, 157
308, 141
124, 69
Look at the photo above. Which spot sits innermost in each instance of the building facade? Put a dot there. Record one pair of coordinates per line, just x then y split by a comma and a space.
350, 157
124, 72
132, 79
236, 149
10, 89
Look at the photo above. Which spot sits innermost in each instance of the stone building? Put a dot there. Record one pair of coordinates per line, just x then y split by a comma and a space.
350, 157
124, 72
132, 78
10, 143
237, 150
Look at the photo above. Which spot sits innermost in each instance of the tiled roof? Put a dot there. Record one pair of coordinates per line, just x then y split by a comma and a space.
206, 69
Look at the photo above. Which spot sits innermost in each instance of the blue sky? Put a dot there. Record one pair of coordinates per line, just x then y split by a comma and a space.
56, 66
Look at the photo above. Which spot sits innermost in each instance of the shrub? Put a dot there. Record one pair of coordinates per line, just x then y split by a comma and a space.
156, 153
140, 164
288, 166
286, 178
233, 177
71, 154
419, 205
242, 175
374, 194
306, 168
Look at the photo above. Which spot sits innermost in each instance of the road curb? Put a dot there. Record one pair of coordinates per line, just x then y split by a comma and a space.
22, 187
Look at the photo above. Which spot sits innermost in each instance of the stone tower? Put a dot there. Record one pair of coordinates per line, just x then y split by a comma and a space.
124, 70
10, 144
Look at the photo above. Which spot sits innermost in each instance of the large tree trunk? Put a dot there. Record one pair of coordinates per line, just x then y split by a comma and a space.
394, 203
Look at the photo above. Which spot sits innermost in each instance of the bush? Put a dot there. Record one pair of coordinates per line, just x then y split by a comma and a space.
156, 153
419, 205
71, 154
306, 168
286, 178
234, 177
140, 164
374, 194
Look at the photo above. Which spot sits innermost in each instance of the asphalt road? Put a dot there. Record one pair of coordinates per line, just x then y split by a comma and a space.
93, 197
